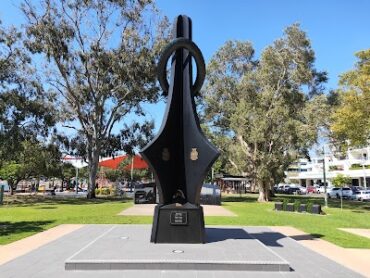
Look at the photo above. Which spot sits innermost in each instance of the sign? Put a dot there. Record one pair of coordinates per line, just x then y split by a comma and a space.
179, 218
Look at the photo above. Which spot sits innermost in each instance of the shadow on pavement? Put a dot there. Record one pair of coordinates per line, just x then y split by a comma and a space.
7, 228
267, 238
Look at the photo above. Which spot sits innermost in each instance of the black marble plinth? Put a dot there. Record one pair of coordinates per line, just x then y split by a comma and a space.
176, 223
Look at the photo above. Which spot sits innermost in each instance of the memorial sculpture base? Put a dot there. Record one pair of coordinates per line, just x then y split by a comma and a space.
125, 247
176, 223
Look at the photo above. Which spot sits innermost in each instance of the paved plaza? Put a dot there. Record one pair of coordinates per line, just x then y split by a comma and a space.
112, 243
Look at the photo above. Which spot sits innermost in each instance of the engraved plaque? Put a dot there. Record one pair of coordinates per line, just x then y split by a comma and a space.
179, 218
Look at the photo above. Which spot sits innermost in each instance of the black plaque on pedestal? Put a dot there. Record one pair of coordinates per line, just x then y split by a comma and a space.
180, 156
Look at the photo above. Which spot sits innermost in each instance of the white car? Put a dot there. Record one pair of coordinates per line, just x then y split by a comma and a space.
303, 189
362, 195
321, 189
337, 192
346, 193
334, 192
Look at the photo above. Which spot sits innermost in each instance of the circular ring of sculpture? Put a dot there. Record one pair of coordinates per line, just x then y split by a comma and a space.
195, 52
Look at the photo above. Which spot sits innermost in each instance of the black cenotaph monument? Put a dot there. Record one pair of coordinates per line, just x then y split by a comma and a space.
180, 156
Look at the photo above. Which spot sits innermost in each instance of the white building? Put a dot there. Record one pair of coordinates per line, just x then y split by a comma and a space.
355, 163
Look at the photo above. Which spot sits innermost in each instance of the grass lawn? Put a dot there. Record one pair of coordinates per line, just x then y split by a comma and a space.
26, 216
22, 217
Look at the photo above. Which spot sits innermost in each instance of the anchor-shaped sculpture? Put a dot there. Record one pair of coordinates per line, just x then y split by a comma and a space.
180, 156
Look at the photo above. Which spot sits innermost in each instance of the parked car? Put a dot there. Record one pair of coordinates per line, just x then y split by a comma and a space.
321, 189
361, 195
292, 189
346, 192
334, 192
357, 188
337, 192
311, 189
303, 190
281, 188
287, 189
145, 193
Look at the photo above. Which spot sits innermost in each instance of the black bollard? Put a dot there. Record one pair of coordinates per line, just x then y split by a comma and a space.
180, 156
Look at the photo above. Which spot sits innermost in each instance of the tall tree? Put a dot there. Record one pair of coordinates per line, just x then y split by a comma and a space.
351, 119
101, 62
25, 111
270, 108
33, 160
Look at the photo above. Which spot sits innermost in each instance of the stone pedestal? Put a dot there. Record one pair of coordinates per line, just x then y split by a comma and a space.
176, 223
126, 247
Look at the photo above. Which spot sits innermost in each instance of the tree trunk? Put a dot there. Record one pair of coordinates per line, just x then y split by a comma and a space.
264, 192
10, 185
253, 186
93, 170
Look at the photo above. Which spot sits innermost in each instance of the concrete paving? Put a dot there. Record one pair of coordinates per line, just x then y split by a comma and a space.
48, 260
355, 259
18, 248
128, 247
359, 232
148, 210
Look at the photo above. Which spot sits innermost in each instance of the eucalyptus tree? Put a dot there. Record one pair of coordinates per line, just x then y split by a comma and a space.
351, 118
25, 111
34, 160
26, 116
100, 60
270, 108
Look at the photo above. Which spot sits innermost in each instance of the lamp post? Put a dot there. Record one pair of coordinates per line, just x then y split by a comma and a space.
324, 176
76, 187
132, 168
363, 168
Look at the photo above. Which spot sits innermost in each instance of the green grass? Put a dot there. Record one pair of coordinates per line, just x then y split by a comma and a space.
251, 213
21, 217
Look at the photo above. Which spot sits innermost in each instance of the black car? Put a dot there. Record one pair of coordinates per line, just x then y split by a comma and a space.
291, 190
145, 193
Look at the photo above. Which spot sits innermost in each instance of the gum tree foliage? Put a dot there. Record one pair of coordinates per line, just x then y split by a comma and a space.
26, 116
222, 164
25, 112
351, 119
100, 59
35, 160
270, 108
341, 180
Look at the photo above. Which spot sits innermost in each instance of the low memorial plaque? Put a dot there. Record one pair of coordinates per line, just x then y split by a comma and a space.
179, 218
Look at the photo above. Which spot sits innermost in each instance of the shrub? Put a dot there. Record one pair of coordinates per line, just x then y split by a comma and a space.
297, 203
358, 166
97, 191
113, 191
336, 168
105, 191
309, 207
285, 202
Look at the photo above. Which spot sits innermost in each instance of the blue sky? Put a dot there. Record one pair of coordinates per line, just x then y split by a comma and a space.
337, 29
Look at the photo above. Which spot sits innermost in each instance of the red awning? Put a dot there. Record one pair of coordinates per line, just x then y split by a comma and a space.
114, 163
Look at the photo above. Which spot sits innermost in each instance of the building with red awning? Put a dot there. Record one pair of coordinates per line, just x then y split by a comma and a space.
137, 162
